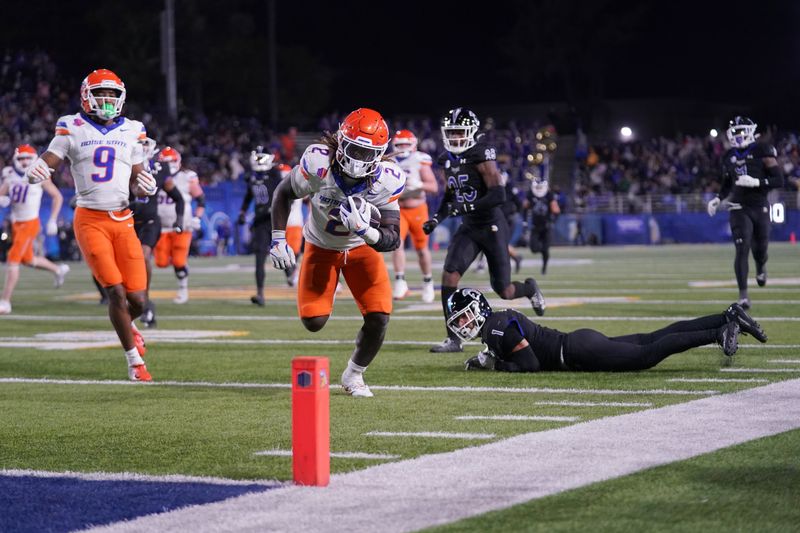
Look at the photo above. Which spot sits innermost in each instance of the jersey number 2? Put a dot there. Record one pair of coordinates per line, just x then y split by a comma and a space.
104, 159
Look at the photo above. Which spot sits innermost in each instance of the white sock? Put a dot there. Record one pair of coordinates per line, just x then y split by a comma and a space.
183, 283
352, 367
133, 357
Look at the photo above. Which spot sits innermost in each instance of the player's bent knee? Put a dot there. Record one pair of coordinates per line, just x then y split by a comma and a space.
116, 294
450, 279
506, 293
376, 321
136, 301
314, 323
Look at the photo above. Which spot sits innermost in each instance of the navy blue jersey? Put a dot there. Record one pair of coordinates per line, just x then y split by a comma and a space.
146, 207
464, 182
261, 188
541, 214
750, 161
504, 330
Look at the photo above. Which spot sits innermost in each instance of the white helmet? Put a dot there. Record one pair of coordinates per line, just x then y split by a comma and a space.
741, 132
539, 187
261, 161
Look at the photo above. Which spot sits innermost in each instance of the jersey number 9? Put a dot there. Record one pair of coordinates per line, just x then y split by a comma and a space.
104, 159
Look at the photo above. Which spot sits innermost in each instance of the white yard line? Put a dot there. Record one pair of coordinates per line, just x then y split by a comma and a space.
337, 455
401, 388
718, 380
432, 489
532, 418
784, 361
432, 435
596, 404
761, 370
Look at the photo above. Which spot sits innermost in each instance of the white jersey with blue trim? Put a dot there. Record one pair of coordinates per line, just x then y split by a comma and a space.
411, 165
101, 158
315, 177
184, 180
26, 198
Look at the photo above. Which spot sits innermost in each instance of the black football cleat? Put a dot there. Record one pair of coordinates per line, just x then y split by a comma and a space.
761, 275
728, 338
736, 313
257, 300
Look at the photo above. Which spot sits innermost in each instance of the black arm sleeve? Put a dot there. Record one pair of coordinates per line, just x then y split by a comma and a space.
390, 232
248, 197
494, 196
201, 200
177, 197
523, 360
726, 185
774, 179
444, 207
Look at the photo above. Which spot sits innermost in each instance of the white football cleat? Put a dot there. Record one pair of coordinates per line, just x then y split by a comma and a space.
183, 295
400, 289
5, 307
61, 273
353, 384
428, 293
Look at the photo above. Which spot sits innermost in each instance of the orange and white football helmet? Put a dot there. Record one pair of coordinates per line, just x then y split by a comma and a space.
103, 107
363, 138
404, 143
24, 156
172, 158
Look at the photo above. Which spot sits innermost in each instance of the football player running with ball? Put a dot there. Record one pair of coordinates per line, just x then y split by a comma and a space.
476, 191
339, 236
106, 160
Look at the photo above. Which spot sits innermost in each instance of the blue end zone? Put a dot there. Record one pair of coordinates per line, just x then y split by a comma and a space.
38, 504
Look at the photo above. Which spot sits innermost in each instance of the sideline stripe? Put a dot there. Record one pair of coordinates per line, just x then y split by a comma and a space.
337, 455
132, 476
395, 317
596, 404
396, 497
784, 361
401, 388
432, 435
536, 418
761, 370
718, 380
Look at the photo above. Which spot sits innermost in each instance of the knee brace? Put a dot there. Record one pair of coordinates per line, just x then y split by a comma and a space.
182, 272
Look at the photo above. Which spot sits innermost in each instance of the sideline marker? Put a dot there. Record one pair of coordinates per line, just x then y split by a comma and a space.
311, 452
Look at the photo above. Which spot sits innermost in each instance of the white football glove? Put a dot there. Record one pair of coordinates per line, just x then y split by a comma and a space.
354, 219
38, 172
280, 252
747, 181
5, 201
726, 205
195, 223
51, 228
712, 206
147, 183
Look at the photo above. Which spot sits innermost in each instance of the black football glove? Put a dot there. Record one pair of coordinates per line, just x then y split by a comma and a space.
177, 226
429, 225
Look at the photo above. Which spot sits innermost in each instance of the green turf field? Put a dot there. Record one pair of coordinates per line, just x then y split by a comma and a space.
79, 421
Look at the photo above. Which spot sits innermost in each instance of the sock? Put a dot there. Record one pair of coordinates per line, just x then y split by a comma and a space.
427, 278
400, 275
352, 367
183, 283
522, 289
133, 357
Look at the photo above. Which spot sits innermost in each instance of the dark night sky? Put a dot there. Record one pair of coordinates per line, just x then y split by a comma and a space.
422, 57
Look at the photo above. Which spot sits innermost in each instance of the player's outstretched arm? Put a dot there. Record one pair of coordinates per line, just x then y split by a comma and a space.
43, 168
57, 201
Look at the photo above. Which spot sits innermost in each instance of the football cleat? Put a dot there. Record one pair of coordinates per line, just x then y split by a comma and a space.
138, 340
449, 345
728, 338
353, 384
761, 275
139, 373
182, 296
61, 273
735, 313
744, 302
257, 300
537, 300
400, 289
5, 307
428, 292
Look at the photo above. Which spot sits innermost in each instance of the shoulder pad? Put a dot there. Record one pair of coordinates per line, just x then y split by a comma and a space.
481, 152
63, 124
767, 150
424, 158
316, 161
393, 179
138, 127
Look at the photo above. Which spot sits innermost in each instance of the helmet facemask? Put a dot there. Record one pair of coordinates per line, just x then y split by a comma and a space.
358, 158
105, 107
741, 135
23, 159
539, 188
467, 322
261, 161
458, 139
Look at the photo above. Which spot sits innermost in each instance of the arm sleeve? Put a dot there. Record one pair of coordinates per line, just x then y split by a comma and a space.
726, 184
494, 196
177, 197
248, 197
523, 360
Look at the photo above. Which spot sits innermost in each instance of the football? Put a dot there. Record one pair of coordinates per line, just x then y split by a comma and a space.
375, 218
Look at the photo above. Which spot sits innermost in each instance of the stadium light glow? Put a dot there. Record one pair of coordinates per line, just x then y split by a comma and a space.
626, 132
713, 133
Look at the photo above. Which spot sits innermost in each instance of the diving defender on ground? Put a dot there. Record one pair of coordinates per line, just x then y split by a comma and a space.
476, 192
514, 343
749, 171
340, 237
